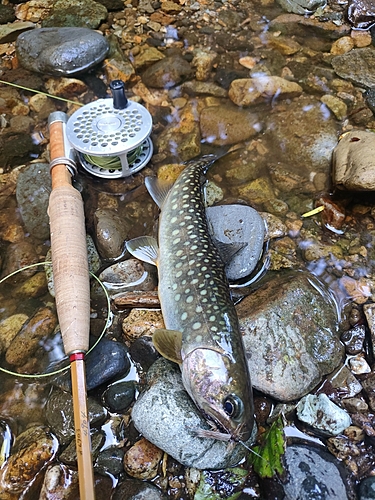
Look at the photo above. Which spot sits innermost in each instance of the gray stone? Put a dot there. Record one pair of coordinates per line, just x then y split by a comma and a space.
313, 473
361, 13
290, 332
32, 193
321, 413
166, 416
167, 72
61, 51
367, 489
111, 232
357, 66
238, 224
301, 6
353, 161
134, 489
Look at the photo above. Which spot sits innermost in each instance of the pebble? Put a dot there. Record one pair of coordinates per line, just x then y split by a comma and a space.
312, 472
167, 72
357, 66
137, 490
142, 460
301, 6
119, 396
164, 414
342, 46
81, 13
141, 322
233, 224
289, 329
361, 14
32, 452
110, 233
61, 51
323, 415
367, 488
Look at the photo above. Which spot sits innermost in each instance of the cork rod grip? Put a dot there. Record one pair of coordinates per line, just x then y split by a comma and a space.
69, 252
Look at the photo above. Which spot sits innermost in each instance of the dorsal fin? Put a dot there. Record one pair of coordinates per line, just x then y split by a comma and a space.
158, 189
144, 248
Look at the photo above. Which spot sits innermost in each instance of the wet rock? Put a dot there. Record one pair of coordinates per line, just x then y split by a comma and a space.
342, 46
111, 232
357, 66
353, 165
341, 383
248, 91
165, 415
301, 6
33, 450
110, 461
33, 190
141, 322
7, 14
11, 229
236, 224
318, 138
258, 191
227, 124
296, 25
182, 138
59, 415
142, 460
31, 336
353, 339
367, 489
24, 403
359, 365
9, 328
69, 455
289, 328
203, 62
17, 147
361, 13
323, 415
10, 32
61, 51
119, 396
81, 13
128, 275
106, 361
196, 88
137, 490
369, 390
143, 352
336, 105
312, 470
167, 72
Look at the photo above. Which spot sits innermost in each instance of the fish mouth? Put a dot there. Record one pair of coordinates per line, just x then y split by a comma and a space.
220, 433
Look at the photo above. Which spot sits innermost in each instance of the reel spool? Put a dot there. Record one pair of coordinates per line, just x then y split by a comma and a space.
111, 137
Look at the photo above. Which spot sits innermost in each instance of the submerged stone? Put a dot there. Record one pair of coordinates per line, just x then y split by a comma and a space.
61, 51
290, 333
357, 66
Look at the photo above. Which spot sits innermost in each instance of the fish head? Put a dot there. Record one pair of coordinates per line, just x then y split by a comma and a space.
221, 389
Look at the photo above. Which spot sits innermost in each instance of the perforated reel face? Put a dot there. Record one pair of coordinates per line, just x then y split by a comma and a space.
98, 129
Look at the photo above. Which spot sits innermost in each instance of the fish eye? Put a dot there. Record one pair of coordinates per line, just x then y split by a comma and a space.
233, 406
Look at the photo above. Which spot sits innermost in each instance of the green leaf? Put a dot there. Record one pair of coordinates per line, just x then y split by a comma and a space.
267, 458
226, 484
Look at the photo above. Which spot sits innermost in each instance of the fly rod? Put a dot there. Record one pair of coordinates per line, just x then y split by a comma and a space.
72, 286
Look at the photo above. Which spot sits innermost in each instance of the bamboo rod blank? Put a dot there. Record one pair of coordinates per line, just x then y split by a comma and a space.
72, 292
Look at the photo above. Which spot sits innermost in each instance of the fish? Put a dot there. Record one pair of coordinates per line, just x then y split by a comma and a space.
201, 330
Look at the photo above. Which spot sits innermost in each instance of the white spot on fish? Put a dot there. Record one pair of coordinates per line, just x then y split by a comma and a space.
196, 326
177, 297
189, 299
184, 316
198, 309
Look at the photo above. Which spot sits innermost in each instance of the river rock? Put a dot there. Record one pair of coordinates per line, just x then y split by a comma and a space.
106, 361
80, 13
353, 161
322, 414
233, 225
142, 460
135, 489
31, 336
312, 473
61, 51
317, 137
166, 416
119, 396
297, 25
10, 32
32, 193
361, 13
227, 124
33, 450
357, 66
289, 327
9, 328
59, 415
301, 6
111, 232
141, 322
367, 489
167, 72
247, 91
127, 276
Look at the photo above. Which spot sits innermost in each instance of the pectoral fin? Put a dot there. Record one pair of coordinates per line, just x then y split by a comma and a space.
168, 343
144, 248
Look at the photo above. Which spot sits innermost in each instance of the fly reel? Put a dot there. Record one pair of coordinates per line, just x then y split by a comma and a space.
111, 137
